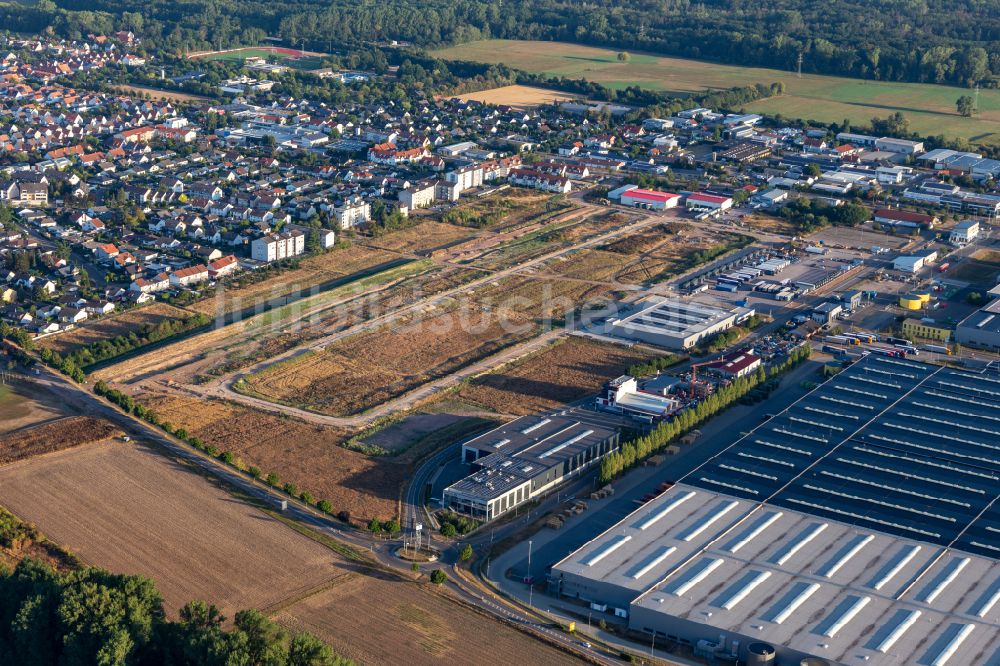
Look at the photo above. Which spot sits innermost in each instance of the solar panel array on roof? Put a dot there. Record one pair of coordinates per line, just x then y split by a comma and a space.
889, 444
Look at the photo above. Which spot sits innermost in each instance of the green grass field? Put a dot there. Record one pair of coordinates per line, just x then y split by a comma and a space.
306, 62
929, 108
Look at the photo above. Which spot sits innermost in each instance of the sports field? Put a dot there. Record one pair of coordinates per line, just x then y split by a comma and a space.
305, 60
929, 108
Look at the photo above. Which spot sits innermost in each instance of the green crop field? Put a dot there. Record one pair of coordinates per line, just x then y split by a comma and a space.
929, 108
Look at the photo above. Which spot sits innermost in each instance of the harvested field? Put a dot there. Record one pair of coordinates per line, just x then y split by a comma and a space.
930, 108
167, 95
309, 456
561, 373
312, 272
519, 97
406, 623
108, 327
139, 506
55, 436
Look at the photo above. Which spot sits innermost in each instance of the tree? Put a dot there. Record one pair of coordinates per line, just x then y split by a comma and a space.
624, 57
965, 106
438, 577
466, 553
307, 650
814, 170
374, 526
448, 530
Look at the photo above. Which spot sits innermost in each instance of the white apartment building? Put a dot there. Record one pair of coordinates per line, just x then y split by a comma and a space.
275, 247
352, 213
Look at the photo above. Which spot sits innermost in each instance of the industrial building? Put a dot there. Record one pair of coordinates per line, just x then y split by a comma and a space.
651, 199
676, 324
527, 457
858, 526
964, 232
913, 263
981, 329
704, 201
623, 396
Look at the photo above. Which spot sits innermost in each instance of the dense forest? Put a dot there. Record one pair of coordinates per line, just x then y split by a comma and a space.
946, 41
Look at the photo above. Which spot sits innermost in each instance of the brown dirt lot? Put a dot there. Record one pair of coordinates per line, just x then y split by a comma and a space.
309, 456
111, 326
558, 374
411, 624
520, 97
130, 510
55, 436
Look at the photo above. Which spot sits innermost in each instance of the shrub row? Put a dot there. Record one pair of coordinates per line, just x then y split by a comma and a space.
639, 449
129, 404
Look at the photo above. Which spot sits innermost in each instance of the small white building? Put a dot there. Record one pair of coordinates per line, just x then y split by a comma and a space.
964, 232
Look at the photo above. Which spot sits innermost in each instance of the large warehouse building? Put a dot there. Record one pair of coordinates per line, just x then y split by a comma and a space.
527, 457
676, 324
859, 526
981, 329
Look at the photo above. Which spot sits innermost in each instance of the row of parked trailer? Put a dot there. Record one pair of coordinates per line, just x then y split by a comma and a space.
900, 347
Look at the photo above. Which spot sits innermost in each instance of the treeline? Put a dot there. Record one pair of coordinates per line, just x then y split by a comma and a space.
949, 41
637, 450
91, 616
130, 405
147, 334
812, 214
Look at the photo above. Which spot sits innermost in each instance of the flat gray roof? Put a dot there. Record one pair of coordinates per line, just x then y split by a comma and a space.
674, 317
819, 586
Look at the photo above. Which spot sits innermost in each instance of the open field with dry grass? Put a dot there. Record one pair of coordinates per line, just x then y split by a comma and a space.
413, 624
519, 97
930, 108
113, 325
312, 272
424, 237
140, 507
57, 435
168, 95
357, 373
309, 456
22, 407
563, 372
